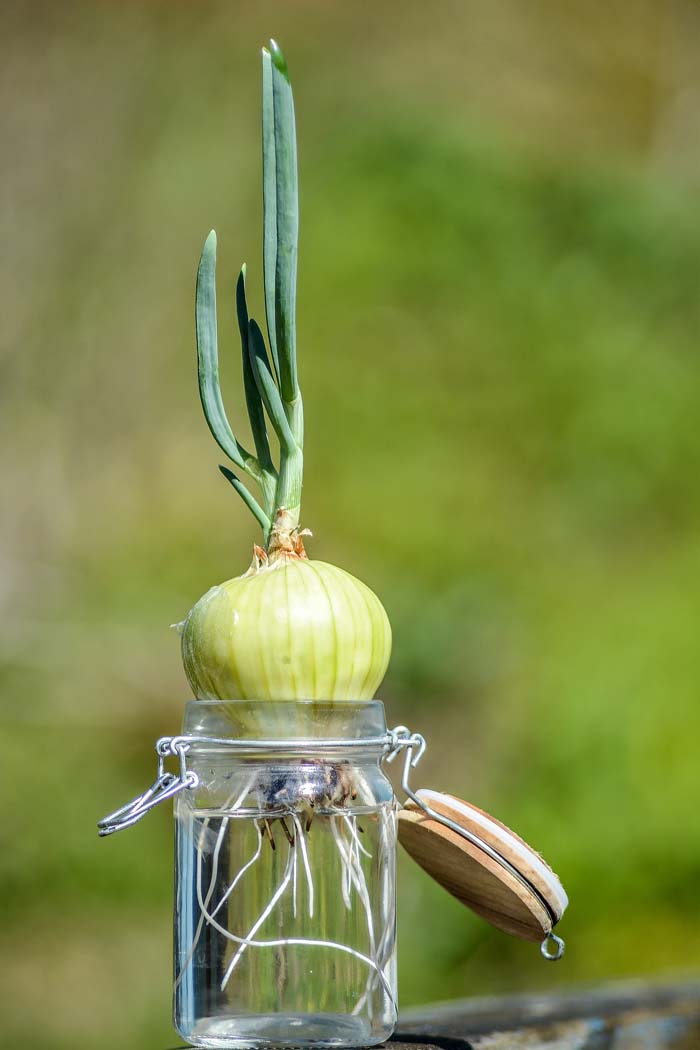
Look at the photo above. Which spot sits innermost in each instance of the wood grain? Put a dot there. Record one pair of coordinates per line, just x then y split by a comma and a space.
472, 877
509, 844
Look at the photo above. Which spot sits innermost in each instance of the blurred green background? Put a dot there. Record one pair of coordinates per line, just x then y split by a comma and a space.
498, 322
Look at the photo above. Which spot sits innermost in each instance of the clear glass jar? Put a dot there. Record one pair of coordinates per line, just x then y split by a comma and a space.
285, 926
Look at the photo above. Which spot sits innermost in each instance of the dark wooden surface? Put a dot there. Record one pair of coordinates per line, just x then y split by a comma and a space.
620, 1016
623, 1016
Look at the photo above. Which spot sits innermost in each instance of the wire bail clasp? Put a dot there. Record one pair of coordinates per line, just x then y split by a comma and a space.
166, 785
552, 947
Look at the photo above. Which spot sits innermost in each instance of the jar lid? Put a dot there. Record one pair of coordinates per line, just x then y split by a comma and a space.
483, 864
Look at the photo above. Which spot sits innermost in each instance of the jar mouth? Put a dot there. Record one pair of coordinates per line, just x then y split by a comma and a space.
288, 720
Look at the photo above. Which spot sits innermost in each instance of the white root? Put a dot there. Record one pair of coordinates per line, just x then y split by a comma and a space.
300, 837
249, 942
343, 827
246, 941
351, 823
295, 867
206, 916
231, 887
388, 938
350, 857
215, 870
345, 872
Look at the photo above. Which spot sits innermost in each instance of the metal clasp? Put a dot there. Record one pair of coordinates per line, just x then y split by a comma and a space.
166, 785
415, 742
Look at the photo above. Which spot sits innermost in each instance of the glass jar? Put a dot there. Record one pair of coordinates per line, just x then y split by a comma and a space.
285, 926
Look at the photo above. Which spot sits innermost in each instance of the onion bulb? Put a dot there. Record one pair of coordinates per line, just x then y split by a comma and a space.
289, 628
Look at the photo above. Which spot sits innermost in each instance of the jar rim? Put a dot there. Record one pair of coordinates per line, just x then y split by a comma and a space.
290, 721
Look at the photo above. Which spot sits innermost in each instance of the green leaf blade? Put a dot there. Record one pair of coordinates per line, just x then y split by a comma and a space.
278, 59
253, 400
287, 222
208, 361
269, 204
248, 498
268, 391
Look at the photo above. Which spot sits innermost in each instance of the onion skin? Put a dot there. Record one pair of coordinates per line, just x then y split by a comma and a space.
293, 629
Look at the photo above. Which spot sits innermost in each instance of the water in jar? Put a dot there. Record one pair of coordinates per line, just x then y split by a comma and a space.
285, 924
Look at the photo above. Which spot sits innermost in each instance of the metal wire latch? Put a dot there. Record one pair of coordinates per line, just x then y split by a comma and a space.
168, 784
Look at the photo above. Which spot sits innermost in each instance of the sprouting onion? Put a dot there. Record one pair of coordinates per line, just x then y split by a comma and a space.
289, 628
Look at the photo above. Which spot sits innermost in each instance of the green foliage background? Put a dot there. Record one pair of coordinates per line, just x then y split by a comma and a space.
498, 320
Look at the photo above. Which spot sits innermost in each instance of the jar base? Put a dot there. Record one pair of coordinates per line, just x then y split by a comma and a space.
286, 1030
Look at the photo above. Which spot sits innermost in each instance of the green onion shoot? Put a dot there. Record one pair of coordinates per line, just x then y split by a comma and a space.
290, 628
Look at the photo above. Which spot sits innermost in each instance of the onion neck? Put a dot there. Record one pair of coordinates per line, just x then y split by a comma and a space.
287, 496
288, 489
286, 539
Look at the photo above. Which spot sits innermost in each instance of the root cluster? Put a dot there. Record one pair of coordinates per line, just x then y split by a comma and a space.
292, 803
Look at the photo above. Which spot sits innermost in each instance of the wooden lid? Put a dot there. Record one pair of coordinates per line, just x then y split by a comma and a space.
526, 902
